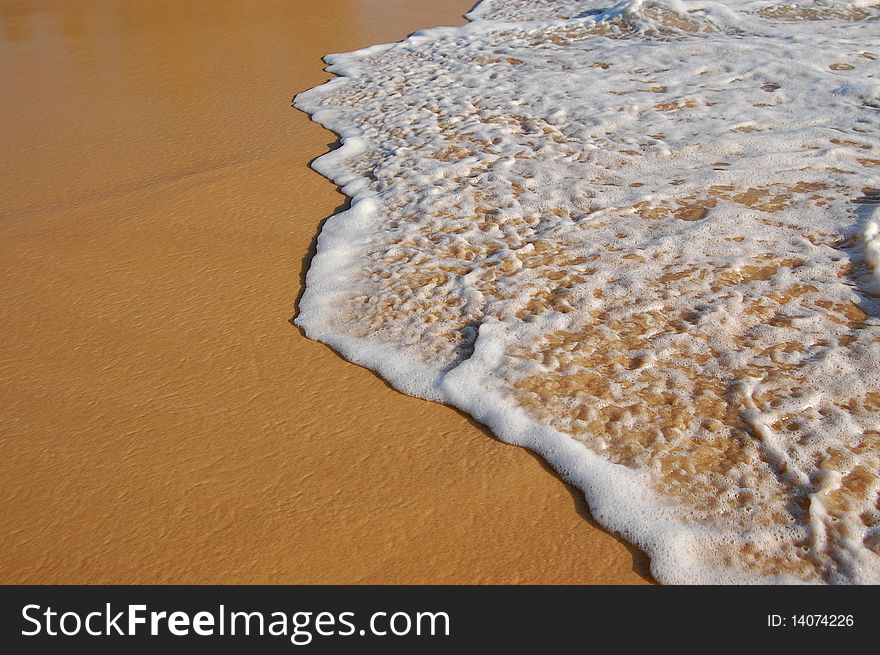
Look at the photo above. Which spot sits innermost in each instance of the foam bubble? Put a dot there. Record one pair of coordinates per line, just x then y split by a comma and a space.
639, 239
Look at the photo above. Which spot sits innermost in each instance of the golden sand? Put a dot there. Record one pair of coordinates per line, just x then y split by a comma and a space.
162, 421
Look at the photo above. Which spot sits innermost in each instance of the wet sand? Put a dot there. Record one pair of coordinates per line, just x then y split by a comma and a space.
162, 421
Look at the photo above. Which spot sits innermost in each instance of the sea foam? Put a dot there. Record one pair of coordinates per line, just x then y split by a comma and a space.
639, 239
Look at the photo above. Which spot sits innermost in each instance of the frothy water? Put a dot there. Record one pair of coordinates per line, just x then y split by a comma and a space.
642, 240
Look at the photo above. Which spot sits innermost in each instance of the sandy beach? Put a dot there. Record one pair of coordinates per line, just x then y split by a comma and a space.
162, 420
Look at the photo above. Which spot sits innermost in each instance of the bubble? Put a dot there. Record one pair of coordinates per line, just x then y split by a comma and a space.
657, 271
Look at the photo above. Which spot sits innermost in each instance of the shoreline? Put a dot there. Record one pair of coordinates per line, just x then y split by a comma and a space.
451, 277
165, 423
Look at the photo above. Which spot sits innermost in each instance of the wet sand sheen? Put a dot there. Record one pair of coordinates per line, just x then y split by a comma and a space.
162, 421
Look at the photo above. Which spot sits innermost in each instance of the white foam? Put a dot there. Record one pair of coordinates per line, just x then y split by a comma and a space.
631, 237
871, 236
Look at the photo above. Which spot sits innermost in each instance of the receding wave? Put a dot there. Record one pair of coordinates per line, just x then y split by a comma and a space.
640, 239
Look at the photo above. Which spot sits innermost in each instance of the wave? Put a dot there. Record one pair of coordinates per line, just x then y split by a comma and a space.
638, 239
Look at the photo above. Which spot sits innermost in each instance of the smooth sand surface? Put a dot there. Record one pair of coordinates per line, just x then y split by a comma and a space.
162, 421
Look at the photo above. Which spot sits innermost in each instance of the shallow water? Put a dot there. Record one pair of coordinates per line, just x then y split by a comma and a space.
160, 419
639, 239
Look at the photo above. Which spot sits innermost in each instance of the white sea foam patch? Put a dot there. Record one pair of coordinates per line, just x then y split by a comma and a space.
639, 239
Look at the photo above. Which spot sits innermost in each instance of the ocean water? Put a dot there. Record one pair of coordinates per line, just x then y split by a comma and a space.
641, 239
